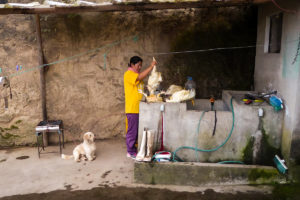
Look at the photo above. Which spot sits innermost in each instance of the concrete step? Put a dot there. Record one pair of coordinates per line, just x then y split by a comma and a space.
198, 174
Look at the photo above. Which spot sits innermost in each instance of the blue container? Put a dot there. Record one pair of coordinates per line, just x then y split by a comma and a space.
190, 84
276, 103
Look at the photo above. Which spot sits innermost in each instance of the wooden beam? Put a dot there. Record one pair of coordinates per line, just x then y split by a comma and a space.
126, 7
42, 73
261, 1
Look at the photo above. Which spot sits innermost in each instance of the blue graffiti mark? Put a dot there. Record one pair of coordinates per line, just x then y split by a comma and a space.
136, 38
19, 67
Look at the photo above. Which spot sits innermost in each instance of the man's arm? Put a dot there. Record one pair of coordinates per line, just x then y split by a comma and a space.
144, 73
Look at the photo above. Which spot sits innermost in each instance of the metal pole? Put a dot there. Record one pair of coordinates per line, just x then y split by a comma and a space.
42, 73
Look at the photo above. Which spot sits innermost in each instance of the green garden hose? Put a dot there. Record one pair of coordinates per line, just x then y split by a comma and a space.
231, 161
209, 150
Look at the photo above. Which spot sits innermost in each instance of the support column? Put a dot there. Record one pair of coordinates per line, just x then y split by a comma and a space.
42, 73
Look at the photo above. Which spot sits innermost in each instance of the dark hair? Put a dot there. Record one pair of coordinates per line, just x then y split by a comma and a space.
134, 60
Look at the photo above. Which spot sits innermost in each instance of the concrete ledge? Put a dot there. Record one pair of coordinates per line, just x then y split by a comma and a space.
196, 174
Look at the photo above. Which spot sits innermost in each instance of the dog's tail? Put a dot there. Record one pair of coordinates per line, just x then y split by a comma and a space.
67, 157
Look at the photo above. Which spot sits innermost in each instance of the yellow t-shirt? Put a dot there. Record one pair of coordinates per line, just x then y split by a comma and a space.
132, 94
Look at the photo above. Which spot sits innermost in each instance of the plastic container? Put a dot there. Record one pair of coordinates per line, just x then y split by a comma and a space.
190, 84
162, 156
276, 103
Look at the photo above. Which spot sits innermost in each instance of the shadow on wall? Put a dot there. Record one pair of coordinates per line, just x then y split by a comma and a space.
214, 71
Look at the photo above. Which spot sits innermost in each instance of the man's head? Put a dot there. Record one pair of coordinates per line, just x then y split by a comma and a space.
136, 63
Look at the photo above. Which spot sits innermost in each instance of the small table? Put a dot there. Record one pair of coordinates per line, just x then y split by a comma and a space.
46, 127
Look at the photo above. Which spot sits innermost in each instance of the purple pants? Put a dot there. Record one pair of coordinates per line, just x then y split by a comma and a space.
132, 132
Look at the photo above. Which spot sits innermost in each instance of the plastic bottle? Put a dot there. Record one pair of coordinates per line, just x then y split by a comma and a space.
190, 84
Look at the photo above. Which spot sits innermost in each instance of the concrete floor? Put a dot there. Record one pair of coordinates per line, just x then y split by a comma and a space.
110, 169
50, 172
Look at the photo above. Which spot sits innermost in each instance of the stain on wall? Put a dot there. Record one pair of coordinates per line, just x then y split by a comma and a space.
291, 58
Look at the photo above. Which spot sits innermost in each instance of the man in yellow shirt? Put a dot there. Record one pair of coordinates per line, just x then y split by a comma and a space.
133, 83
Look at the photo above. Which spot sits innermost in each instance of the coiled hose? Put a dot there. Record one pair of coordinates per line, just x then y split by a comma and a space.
214, 149
177, 159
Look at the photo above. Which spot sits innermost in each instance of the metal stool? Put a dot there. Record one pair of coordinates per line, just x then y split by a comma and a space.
44, 127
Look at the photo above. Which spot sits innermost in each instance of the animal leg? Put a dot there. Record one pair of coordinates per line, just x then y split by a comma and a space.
93, 156
83, 158
90, 158
76, 156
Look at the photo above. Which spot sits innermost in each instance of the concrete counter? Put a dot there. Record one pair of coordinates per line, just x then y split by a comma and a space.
180, 122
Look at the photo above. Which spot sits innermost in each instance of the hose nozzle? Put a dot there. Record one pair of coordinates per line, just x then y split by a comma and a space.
212, 102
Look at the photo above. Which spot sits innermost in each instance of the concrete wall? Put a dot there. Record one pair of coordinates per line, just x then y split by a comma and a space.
196, 174
280, 71
87, 92
180, 129
204, 104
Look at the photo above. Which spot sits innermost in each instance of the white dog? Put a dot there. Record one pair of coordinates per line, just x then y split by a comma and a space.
87, 149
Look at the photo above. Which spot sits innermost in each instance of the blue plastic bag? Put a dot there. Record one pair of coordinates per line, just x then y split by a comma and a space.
276, 103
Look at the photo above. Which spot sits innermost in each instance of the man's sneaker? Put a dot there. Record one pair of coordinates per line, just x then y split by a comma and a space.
133, 156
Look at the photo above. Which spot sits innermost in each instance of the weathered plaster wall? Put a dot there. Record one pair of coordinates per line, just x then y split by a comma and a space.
279, 71
18, 46
86, 92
